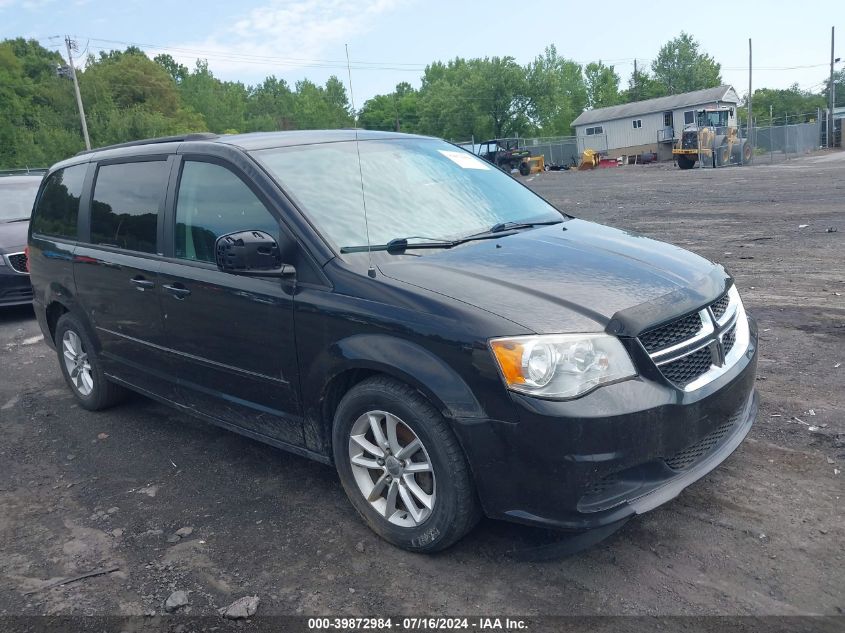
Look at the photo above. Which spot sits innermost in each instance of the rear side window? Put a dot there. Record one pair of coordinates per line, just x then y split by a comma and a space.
124, 211
213, 201
58, 207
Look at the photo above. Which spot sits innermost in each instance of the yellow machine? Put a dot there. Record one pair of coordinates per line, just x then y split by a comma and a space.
713, 141
589, 160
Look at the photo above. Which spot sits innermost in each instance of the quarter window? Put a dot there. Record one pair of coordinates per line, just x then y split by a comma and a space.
58, 206
213, 201
124, 211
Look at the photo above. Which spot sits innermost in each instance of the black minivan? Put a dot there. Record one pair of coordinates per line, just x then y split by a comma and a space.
394, 306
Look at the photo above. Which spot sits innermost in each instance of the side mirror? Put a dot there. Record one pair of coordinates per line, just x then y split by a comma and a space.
252, 253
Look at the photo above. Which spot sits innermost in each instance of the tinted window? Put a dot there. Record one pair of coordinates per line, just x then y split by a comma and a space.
124, 211
213, 201
58, 206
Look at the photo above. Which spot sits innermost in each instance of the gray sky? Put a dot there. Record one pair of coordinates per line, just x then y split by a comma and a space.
392, 40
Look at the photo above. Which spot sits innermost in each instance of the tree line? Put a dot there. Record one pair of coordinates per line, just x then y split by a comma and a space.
129, 96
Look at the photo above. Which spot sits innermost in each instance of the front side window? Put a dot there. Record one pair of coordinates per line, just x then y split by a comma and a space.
412, 187
58, 207
212, 202
124, 211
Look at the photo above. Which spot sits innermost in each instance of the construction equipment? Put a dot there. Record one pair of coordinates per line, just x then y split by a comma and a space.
505, 153
589, 160
712, 140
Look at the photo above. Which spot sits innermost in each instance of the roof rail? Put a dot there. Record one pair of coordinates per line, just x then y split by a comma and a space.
26, 171
199, 136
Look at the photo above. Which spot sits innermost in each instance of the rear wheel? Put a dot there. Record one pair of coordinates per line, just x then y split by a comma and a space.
402, 468
81, 366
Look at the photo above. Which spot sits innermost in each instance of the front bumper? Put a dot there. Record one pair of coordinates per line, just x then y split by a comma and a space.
621, 450
15, 287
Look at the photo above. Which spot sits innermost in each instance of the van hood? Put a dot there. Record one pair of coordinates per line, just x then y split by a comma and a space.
13, 236
570, 277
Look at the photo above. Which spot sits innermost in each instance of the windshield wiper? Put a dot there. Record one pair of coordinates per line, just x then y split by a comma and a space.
513, 226
503, 227
399, 244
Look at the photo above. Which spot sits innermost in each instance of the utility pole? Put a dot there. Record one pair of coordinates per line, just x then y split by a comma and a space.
831, 131
636, 87
71, 46
750, 117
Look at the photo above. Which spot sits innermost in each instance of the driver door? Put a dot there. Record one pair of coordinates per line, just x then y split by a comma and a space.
231, 337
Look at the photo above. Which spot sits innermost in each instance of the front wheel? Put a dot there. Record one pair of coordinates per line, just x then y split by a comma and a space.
402, 468
684, 162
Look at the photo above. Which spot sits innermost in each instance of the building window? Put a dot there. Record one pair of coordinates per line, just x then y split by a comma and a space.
689, 117
595, 130
667, 119
637, 123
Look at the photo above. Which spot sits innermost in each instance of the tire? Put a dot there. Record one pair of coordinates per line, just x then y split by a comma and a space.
524, 169
454, 508
684, 162
747, 154
88, 383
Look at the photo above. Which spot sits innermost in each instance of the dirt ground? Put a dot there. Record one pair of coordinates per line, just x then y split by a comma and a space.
762, 535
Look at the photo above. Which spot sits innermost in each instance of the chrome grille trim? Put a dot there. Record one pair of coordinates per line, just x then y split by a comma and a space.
8, 258
732, 325
706, 330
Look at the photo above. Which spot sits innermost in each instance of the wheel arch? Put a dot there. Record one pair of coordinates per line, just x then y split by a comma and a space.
362, 356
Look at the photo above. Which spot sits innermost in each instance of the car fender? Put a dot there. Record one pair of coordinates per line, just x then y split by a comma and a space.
405, 360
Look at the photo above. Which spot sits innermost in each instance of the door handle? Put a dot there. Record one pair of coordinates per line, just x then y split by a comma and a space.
141, 284
177, 290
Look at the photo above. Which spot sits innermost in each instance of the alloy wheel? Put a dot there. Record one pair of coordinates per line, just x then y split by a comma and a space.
77, 364
392, 468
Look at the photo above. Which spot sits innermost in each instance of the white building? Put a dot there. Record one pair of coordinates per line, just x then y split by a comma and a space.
648, 126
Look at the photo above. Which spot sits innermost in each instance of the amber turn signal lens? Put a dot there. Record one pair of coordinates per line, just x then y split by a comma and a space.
509, 355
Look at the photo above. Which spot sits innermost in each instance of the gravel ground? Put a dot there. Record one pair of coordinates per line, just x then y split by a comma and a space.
761, 535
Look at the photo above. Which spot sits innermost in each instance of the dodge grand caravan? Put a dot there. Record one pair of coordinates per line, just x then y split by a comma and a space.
398, 308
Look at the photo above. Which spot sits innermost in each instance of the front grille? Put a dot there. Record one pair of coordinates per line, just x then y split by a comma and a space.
600, 487
687, 368
691, 454
671, 333
18, 262
720, 306
689, 140
728, 340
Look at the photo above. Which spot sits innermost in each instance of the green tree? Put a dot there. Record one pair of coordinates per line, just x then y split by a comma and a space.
838, 91
398, 110
681, 67
602, 84
799, 105
555, 93
642, 86
270, 106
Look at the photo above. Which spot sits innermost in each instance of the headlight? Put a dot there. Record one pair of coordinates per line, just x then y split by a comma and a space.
561, 365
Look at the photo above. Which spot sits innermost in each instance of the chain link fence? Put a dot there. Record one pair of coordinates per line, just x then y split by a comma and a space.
556, 150
782, 142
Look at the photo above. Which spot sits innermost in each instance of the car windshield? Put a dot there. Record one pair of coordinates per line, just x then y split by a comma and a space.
413, 187
16, 197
